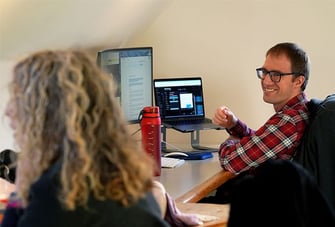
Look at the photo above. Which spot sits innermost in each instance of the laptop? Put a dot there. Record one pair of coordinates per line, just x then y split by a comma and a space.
181, 104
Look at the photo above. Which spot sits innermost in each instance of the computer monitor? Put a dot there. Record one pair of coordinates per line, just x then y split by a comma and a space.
131, 69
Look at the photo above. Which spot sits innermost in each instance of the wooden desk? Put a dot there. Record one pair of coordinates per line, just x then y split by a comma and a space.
203, 189
194, 179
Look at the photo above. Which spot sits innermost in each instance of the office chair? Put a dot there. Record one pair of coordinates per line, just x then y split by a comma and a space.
7, 165
317, 149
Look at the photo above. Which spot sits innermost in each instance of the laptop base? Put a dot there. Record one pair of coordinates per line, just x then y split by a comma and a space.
194, 140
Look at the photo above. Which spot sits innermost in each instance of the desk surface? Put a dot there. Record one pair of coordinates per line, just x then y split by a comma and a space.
192, 181
179, 181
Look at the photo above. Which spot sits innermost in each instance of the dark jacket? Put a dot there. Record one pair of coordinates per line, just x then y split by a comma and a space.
279, 193
44, 209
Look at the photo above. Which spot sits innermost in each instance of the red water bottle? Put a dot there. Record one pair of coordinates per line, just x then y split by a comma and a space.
151, 135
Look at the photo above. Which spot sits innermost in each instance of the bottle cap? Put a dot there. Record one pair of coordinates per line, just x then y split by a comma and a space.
151, 109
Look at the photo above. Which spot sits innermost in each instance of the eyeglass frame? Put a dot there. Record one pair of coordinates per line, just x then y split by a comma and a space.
271, 74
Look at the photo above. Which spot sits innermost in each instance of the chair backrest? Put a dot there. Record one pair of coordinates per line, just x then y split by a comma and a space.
317, 149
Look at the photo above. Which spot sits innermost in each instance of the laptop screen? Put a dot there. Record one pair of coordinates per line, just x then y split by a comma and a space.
179, 98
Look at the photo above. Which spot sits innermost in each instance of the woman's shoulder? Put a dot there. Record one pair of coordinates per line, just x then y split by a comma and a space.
145, 212
49, 180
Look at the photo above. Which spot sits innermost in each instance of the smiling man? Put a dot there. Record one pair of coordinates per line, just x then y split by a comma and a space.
283, 78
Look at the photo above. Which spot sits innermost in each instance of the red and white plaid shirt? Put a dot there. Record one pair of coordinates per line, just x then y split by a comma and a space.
276, 139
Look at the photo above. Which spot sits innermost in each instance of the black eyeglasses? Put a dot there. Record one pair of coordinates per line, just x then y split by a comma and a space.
275, 76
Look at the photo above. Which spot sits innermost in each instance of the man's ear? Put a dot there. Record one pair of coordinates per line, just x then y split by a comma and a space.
299, 81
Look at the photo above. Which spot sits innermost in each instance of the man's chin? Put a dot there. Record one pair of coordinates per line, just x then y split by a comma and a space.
267, 99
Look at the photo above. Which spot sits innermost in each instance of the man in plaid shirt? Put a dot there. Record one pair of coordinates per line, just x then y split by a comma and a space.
283, 77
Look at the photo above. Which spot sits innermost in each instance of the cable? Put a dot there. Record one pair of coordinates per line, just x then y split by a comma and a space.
139, 118
174, 146
136, 132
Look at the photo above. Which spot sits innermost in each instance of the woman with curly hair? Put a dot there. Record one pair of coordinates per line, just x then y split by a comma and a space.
78, 164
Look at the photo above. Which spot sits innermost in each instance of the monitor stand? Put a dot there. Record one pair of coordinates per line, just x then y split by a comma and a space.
194, 140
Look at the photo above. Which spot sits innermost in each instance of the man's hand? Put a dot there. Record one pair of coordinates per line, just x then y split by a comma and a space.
224, 117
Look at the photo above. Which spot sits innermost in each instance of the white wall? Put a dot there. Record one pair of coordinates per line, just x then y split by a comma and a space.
30, 25
221, 40
6, 134
224, 41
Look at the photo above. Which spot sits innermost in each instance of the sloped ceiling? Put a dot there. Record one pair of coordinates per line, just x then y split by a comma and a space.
27, 25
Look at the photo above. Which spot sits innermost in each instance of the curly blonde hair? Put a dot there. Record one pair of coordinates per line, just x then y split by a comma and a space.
65, 109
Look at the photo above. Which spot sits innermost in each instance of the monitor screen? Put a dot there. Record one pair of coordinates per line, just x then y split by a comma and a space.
131, 69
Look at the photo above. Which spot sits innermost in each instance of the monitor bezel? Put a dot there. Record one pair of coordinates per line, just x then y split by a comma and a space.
149, 48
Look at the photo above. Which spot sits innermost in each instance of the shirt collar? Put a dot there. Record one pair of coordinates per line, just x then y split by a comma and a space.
300, 99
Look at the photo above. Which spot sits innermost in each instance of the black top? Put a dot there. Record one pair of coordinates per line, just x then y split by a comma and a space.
44, 209
279, 193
